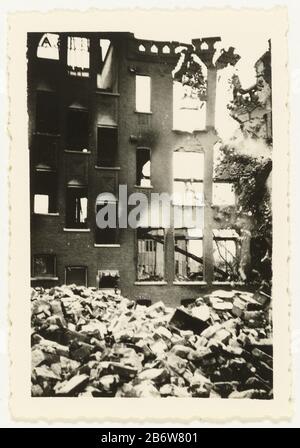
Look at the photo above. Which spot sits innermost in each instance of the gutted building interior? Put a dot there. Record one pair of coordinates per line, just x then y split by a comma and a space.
105, 109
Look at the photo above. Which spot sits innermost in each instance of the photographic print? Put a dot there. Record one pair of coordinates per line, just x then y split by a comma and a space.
151, 212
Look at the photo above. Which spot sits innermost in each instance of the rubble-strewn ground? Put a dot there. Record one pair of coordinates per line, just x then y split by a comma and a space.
85, 343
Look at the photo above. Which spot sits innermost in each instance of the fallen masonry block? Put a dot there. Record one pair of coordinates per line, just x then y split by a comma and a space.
159, 347
201, 392
95, 326
264, 345
81, 351
175, 364
183, 351
263, 356
36, 390
108, 382
37, 357
163, 332
254, 319
184, 321
222, 294
211, 330
239, 307
76, 383
158, 376
222, 335
157, 307
56, 308
200, 380
122, 370
49, 346
46, 373
202, 312
225, 388
255, 383
219, 304
41, 306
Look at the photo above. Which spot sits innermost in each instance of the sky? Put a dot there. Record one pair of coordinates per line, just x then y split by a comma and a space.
249, 43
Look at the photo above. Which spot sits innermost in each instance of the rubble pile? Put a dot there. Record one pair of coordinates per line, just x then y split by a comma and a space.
88, 343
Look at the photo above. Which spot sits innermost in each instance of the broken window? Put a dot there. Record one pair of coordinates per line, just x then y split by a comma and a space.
225, 255
188, 189
143, 167
150, 257
108, 234
44, 265
223, 194
76, 275
142, 93
189, 111
47, 112
107, 146
108, 279
107, 78
45, 192
48, 46
77, 129
78, 59
76, 207
188, 255
45, 152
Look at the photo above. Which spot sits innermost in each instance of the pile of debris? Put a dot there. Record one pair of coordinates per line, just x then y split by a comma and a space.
87, 343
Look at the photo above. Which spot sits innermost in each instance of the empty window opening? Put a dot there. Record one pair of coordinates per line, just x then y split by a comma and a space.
44, 265
108, 234
47, 112
225, 255
188, 165
45, 192
143, 93
150, 257
104, 44
48, 47
188, 172
142, 48
108, 279
107, 146
76, 275
188, 255
108, 71
189, 109
223, 194
41, 203
76, 207
78, 59
154, 49
77, 129
166, 49
143, 167
45, 152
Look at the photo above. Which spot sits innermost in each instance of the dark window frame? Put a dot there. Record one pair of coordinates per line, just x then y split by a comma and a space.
107, 162
73, 224
50, 275
147, 229
79, 266
71, 146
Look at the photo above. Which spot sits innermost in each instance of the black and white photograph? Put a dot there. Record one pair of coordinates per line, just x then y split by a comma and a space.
155, 238
125, 301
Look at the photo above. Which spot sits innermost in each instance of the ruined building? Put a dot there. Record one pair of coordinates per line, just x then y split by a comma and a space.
102, 113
